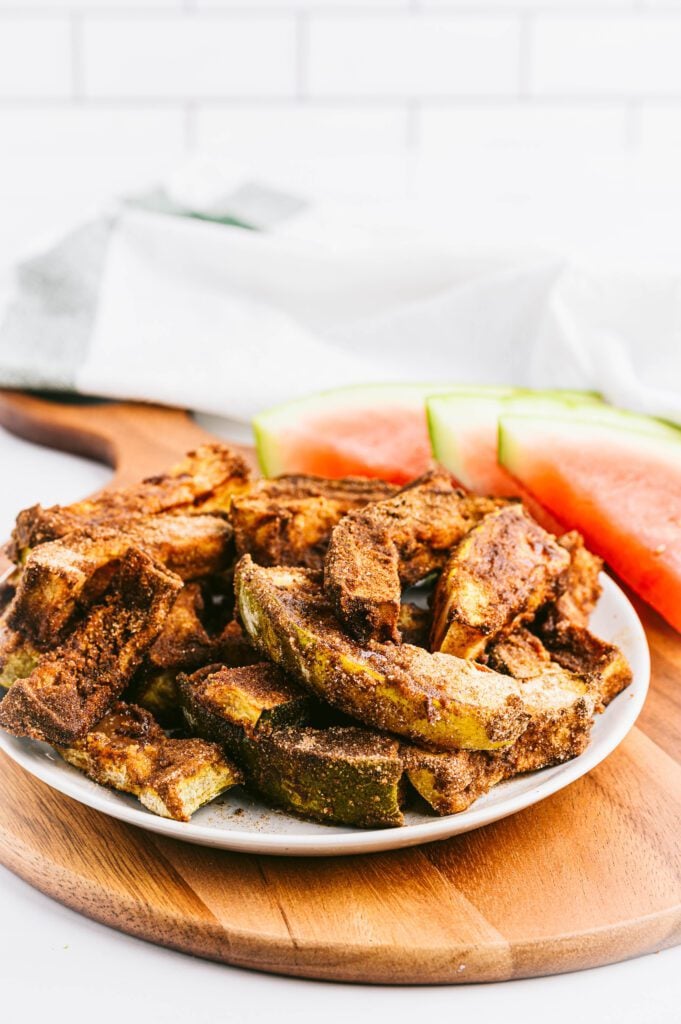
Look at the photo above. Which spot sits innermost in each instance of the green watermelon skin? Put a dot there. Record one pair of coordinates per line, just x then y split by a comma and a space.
464, 427
370, 430
614, 476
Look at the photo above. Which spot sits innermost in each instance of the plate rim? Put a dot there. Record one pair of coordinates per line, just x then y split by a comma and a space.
365, 840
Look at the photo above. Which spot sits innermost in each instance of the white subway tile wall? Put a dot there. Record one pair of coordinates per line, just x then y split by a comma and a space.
98, 96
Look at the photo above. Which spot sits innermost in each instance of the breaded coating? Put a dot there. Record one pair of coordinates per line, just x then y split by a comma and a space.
451, 782
184, 644
496, 578
432, 698
205, 481
343, 774
578, 650
75, 683
563, 706
520, 654
565, 698
288, 521
128, 750
562, 716
580, 587
377, 550
233, 702
62, 578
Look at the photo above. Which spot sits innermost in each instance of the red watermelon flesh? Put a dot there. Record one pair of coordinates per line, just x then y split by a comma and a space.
374, 430
390, 443
616, 478
464, 429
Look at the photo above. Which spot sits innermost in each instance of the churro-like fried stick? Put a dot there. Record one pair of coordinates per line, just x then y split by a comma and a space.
206, 480
496, 578
432, 698
377, 550
352, 774
74, 684
580, 586
184, 644
345, 774
63, 577
288, 521
127, 750
578, 650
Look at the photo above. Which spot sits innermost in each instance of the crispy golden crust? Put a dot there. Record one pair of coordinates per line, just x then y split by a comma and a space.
450, 783
432, 698
558, 731
344, 774
185, 643
61, 578
205, 481
563, 706
520, 654
375, 551
224, 703
580, 587
288, 521
578, 650
74, 684
496, 578
341, 773
564, 698
127, 750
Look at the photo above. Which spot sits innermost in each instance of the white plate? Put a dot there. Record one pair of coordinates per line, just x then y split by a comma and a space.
237, 821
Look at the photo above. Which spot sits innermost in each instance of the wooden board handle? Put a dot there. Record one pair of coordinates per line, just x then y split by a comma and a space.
135, 439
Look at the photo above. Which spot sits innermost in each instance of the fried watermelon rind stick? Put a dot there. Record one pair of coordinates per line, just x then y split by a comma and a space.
495, 579
61, 578
206, 480
288, 521
182, 645
127, 750
342, 774
377, 550
433, 699
436, 700
75, 683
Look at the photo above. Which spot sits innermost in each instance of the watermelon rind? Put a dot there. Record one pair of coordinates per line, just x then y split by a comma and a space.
267, 425
451, 416
655, 434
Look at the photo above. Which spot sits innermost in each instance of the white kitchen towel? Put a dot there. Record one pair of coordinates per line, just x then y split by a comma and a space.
187, 306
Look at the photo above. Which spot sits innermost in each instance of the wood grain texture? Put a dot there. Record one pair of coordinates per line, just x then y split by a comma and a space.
590, 876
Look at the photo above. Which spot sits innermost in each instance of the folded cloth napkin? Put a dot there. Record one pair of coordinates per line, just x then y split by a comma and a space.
229, 306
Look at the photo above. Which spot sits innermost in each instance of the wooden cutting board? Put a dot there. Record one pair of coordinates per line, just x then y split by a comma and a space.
590, 876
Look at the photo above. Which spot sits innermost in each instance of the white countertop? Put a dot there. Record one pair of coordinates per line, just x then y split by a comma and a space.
60, 966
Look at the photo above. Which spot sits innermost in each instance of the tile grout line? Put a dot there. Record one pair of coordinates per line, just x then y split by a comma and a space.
76, 41
302, 55
525, 46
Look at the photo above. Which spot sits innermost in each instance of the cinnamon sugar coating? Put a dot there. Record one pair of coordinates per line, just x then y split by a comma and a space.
288, 521
75, 683
377, 550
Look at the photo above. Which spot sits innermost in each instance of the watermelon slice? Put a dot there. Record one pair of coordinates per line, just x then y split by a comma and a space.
616, 477
373, 430
463, 432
